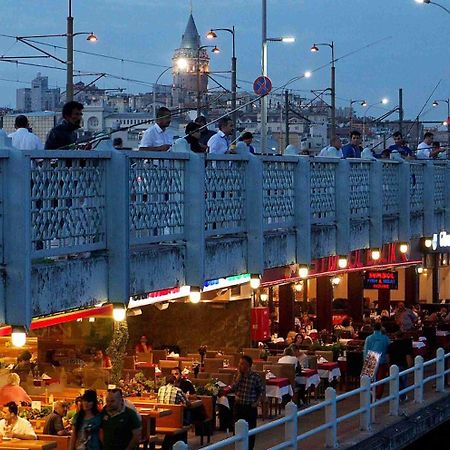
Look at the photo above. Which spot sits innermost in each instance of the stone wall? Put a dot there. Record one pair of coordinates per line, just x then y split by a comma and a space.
219, 326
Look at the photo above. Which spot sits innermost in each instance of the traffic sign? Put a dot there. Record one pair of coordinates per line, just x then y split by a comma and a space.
262, 85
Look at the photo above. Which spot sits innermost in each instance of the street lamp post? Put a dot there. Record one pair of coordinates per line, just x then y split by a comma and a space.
264, 99
69, 35
315, 48
429, 2
384, 101
154, 90
199, 96
211, 35
436, 103
352, 102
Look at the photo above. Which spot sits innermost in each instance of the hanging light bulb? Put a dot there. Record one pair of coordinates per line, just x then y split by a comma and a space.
420, 269
303, 271
255, 280
342, 262
119, 312
264, 297
195, 294
18, 336
375, 254
428, 242
298, 287
403, 247
335, 281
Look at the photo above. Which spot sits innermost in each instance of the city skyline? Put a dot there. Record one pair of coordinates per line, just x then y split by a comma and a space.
413, 60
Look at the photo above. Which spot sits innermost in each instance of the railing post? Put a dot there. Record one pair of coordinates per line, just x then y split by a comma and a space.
302, 182
404, 185
16, 179
194, 220
254, 210
330, 418
376, 204
342, 207
393, 390
364, 404
118, 227
180, 445
241, 430
290, 427
418, 379
429, 226
440, 369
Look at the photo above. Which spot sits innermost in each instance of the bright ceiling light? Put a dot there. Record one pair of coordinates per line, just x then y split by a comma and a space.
18, 336
428, 242
264, 297
303, 271
298, 287
342, 262
119, 312
335, 281
255, 281
403, 247
375, 254
195, 294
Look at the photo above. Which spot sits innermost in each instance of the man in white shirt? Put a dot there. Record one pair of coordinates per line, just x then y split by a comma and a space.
425, 149
333, 150
22, 138
220, 143
13, 426
156, 138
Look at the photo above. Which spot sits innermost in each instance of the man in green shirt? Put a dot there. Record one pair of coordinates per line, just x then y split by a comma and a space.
121, 425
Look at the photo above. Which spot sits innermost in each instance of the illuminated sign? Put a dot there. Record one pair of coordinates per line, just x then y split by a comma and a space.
376, 279
440, 241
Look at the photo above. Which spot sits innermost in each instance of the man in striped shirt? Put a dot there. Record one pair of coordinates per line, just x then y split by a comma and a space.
171, 394
248, 387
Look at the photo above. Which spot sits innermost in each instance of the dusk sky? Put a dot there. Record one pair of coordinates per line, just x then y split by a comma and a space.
414, 54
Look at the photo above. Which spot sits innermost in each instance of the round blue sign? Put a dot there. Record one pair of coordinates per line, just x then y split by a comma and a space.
262, 85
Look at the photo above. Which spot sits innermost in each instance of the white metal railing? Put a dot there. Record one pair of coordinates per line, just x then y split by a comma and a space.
365, 410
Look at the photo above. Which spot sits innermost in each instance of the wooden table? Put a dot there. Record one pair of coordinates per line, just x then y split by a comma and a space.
26, 443
149, 416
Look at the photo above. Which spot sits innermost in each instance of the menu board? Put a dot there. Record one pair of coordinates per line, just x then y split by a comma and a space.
370, 365
378, 279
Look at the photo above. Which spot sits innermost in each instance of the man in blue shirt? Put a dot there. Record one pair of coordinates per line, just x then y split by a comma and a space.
353, 149
400, 146
379, 343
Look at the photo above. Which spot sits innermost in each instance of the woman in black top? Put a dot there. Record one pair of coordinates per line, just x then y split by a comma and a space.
192, 136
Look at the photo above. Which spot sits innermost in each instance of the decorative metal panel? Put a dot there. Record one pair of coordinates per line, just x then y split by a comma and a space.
67, 204
156, 199
359, 185
278, 193
390, 189
416, 187
323, 241
359, 234
225, 196
439, 186
323, 192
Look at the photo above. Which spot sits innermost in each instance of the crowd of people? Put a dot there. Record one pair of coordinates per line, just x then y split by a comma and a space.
427, 149
200, 139
116, 426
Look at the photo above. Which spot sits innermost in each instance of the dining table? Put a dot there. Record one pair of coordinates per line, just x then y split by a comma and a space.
149, 415
27, 444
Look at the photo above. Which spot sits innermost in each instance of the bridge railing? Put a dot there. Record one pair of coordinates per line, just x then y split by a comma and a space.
365, 409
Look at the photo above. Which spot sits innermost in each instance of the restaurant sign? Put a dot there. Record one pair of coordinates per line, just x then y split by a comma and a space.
440, 241
376, 279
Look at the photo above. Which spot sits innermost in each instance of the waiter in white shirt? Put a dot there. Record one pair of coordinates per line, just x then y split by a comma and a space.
220, 142
22, 138
156, 138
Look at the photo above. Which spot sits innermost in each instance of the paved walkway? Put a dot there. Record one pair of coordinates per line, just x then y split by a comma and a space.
348, 432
